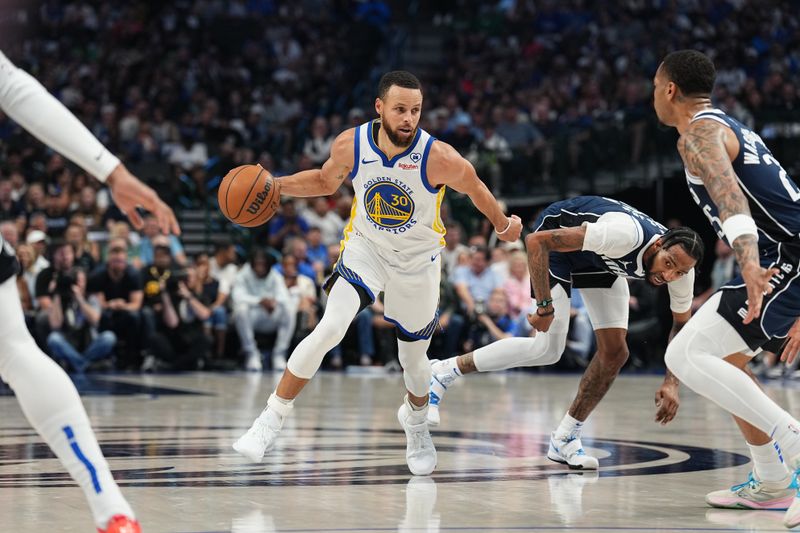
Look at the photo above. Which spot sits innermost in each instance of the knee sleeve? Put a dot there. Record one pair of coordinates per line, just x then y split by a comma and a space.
416, 367
343, 304
543, 349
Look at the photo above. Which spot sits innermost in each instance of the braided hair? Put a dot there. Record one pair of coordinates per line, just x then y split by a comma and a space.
686, 238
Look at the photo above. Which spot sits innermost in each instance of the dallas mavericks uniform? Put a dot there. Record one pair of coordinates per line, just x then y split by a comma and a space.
601, 277
583, 269
772, 197
395, 234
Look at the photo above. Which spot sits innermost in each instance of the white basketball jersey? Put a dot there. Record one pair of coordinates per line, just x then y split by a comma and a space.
395, 207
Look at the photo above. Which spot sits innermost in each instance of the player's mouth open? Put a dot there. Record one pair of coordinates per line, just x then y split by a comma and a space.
658, 280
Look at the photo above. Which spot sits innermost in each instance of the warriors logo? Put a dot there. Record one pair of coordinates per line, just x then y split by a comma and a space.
388, 205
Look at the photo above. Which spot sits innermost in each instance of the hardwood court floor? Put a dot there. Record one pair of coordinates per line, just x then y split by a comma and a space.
340, 462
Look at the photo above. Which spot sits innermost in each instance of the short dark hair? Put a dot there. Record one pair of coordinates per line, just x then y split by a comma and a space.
401, 78
692, 71
686, 238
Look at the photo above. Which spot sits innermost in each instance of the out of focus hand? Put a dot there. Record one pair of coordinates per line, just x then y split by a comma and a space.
792, 346
667, 403
513, 232
756, 279
130, 193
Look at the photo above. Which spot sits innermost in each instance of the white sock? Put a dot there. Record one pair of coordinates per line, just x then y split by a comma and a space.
449, 367
568, 426
75, 445
416, 413
280, 406
787, 434
768, 463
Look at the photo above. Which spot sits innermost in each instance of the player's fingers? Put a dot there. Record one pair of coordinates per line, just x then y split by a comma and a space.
754, 298
135, 218
790, 351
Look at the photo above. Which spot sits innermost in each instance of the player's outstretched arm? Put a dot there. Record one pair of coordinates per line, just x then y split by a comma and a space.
324, 181
702, 148
29, 104
447, 167
539, 245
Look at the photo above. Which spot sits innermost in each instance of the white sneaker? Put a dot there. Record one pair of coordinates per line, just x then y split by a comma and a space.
440, 380
253, 363
278, 362
261, 436
569, 451
792, 517
754, 494
420, 452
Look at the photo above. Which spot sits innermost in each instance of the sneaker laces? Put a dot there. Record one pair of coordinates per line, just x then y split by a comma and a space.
418, 437
752, 483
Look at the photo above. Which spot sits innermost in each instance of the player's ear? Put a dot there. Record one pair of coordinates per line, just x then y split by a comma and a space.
378, 106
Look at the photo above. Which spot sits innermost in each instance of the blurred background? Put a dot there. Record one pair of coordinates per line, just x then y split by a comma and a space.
546, 98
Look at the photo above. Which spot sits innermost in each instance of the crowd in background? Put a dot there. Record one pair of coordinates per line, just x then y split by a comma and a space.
531, 92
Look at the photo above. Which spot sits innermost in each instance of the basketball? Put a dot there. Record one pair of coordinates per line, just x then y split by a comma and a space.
249, 196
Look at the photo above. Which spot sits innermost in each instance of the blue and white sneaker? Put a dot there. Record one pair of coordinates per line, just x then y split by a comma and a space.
569, 451
440, 380
792, 517
755, 494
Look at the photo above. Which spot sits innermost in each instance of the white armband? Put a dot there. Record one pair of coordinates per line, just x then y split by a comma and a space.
737, 225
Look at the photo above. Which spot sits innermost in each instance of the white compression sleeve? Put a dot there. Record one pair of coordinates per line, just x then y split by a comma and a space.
342, 306
543, 349
29, 104
52, 406
696, 355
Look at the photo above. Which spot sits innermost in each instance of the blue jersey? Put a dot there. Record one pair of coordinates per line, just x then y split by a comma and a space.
770, 192
574, 212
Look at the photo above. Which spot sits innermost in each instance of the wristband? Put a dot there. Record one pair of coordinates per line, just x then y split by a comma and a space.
505, 230
737, 225
545, 303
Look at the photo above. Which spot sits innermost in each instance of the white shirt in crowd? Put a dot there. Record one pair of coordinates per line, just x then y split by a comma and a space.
225, 276
250, 289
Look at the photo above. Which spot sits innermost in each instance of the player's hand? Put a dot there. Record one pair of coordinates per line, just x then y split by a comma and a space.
792, 346
130, 193
667, 403
756, 279
514, 229
539, 322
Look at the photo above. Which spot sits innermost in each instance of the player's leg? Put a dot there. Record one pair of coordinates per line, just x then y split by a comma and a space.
766, 486
608, 312
411, 299
344, 302
543, 349
58, 416
696, 355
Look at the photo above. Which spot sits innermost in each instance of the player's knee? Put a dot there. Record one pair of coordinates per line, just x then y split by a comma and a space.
614, 355
554, 349
330, 332
676, 358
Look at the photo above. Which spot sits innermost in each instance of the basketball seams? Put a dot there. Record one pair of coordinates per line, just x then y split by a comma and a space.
230, 182
249, 192
269, 200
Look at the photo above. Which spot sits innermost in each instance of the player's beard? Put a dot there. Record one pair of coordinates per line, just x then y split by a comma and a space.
395, 137
648, 265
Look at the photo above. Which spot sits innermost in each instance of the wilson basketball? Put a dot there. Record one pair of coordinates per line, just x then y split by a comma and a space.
249, 196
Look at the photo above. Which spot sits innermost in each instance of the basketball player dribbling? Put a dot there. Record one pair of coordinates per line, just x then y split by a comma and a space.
45, 393
392, 244
752, 203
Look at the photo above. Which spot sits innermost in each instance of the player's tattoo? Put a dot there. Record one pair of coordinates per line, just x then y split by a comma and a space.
540, 244
466, 363
702, 148
593, 387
